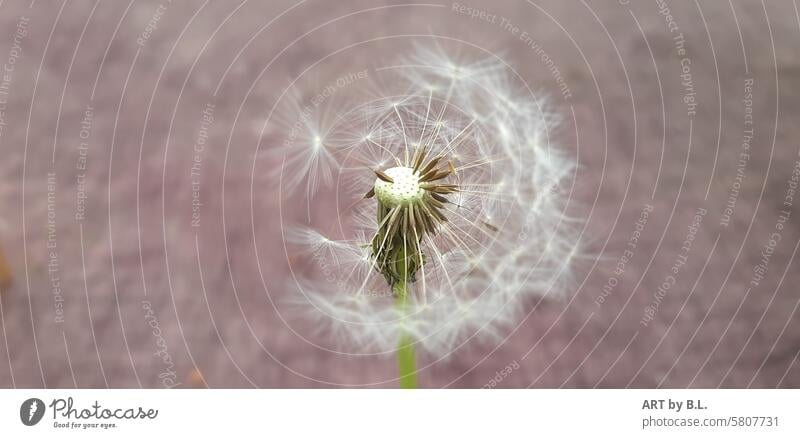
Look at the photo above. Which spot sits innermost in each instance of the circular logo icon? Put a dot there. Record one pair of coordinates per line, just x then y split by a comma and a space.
31, 411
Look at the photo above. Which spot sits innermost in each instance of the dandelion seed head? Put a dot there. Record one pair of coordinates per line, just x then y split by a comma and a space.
404, 189
465, 197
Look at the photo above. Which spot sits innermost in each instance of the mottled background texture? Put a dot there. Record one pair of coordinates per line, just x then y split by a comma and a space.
131, 294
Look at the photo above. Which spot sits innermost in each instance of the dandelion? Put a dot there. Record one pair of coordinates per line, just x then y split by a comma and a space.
455, 201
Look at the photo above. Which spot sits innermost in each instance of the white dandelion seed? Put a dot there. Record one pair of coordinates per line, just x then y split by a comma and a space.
464, 215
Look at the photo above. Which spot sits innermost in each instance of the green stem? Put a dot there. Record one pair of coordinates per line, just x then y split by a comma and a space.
406, 359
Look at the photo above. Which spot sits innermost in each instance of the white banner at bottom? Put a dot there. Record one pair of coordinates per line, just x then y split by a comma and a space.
398, 413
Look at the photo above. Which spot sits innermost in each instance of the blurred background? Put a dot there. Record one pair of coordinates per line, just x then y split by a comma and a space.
142, 223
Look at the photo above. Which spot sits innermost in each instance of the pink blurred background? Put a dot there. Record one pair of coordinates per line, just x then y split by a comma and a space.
129, 293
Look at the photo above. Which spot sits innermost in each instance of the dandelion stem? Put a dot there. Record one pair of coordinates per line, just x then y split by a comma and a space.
406, 359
